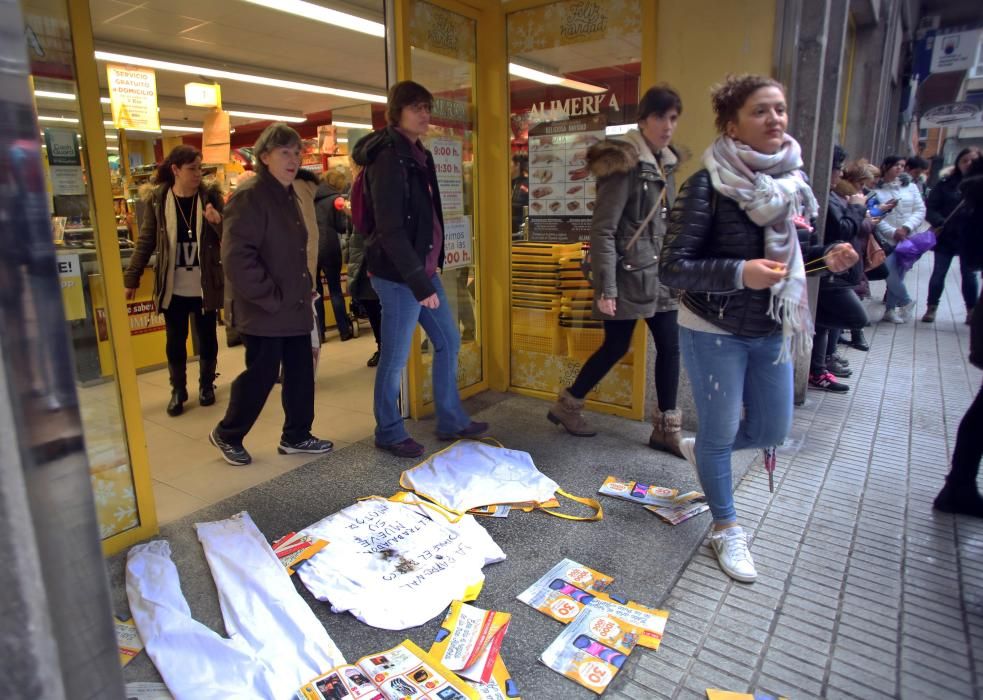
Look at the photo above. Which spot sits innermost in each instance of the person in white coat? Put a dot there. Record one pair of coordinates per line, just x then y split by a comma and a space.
905, 217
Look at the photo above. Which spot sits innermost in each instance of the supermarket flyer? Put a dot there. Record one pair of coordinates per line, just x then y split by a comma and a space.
592, 649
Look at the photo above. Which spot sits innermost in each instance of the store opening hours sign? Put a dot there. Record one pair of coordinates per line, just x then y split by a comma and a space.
450, 175
458, 249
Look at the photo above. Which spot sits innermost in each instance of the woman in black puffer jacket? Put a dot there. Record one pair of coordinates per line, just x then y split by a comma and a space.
732, 245
942, 201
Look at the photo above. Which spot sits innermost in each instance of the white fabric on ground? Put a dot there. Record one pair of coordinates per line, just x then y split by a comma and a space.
275, 642
396, 565
469, 474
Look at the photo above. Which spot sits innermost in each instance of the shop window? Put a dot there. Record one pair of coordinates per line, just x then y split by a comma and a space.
574, 72
443, 45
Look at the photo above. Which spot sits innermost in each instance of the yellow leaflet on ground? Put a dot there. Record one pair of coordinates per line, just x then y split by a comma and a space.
293, 549
127, 640
403, 671
563, 591
647, 494
715, 694
592, 649
651, 621
501, 687
469, 640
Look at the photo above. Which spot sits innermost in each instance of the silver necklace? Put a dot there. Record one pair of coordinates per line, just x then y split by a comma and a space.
187, 223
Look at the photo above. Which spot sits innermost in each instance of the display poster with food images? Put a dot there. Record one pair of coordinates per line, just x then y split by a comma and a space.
561, 188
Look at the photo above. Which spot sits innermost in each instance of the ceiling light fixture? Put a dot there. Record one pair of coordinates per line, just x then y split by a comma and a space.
105, 100
267, 117
318, 13
112, 148
66, 120
194, 129
112, 137
240, 77
550, 79
52, 95
351, 125
341, 140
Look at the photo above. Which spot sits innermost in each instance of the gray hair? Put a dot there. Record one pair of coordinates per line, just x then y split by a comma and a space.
276, 135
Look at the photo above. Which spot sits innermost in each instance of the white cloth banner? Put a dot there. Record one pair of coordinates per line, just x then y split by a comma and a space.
469, 474
275, 642
396, 565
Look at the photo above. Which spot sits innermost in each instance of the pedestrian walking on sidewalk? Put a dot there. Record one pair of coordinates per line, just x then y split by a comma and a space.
182, 226
635, 185
265, 253
942, 202
405, 248
733, 246
960, 494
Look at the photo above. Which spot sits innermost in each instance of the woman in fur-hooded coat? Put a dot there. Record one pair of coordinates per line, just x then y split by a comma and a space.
635, 185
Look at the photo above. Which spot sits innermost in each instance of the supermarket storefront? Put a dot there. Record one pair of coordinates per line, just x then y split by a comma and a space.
540, 80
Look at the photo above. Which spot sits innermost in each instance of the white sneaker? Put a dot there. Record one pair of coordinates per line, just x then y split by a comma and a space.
892, 316
731, 547
907, 311
688, 447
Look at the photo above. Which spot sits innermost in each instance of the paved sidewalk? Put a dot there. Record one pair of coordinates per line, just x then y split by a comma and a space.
863, 591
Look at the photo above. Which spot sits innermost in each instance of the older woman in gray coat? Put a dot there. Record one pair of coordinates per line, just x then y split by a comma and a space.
634, 188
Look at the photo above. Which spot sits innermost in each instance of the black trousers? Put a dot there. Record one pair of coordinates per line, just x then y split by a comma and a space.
837, 308
251, 388
373, 310
617, 341
968, 451
176, 326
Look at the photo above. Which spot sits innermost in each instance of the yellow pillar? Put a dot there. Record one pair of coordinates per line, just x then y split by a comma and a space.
494, 210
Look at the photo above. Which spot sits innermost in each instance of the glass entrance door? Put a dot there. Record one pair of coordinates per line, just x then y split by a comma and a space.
443, 50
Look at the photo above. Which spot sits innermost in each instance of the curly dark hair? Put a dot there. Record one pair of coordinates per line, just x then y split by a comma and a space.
729, 96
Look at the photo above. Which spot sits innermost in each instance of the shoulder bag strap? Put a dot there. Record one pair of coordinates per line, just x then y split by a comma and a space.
645, 222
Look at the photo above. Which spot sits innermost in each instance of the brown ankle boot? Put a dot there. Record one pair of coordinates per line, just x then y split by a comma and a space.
666, 433
929, 316
567, 412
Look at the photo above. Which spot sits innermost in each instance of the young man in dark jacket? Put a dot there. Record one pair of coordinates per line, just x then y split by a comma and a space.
264, 252
404, 252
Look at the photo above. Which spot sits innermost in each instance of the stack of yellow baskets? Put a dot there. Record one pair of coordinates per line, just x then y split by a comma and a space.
583, 334
536, 298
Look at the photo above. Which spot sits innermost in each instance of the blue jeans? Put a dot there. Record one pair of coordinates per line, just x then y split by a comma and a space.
728, 373
400, 314
897, 293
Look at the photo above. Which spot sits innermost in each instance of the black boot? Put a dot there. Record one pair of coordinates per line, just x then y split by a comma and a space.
206, 382
960, 499
179, 389
858, 341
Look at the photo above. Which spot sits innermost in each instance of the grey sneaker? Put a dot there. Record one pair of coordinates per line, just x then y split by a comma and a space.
235, 455
311, 446
733, 554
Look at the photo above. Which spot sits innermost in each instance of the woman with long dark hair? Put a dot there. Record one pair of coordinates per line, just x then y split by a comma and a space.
635, 185
733, 246
942, 201
182, 224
